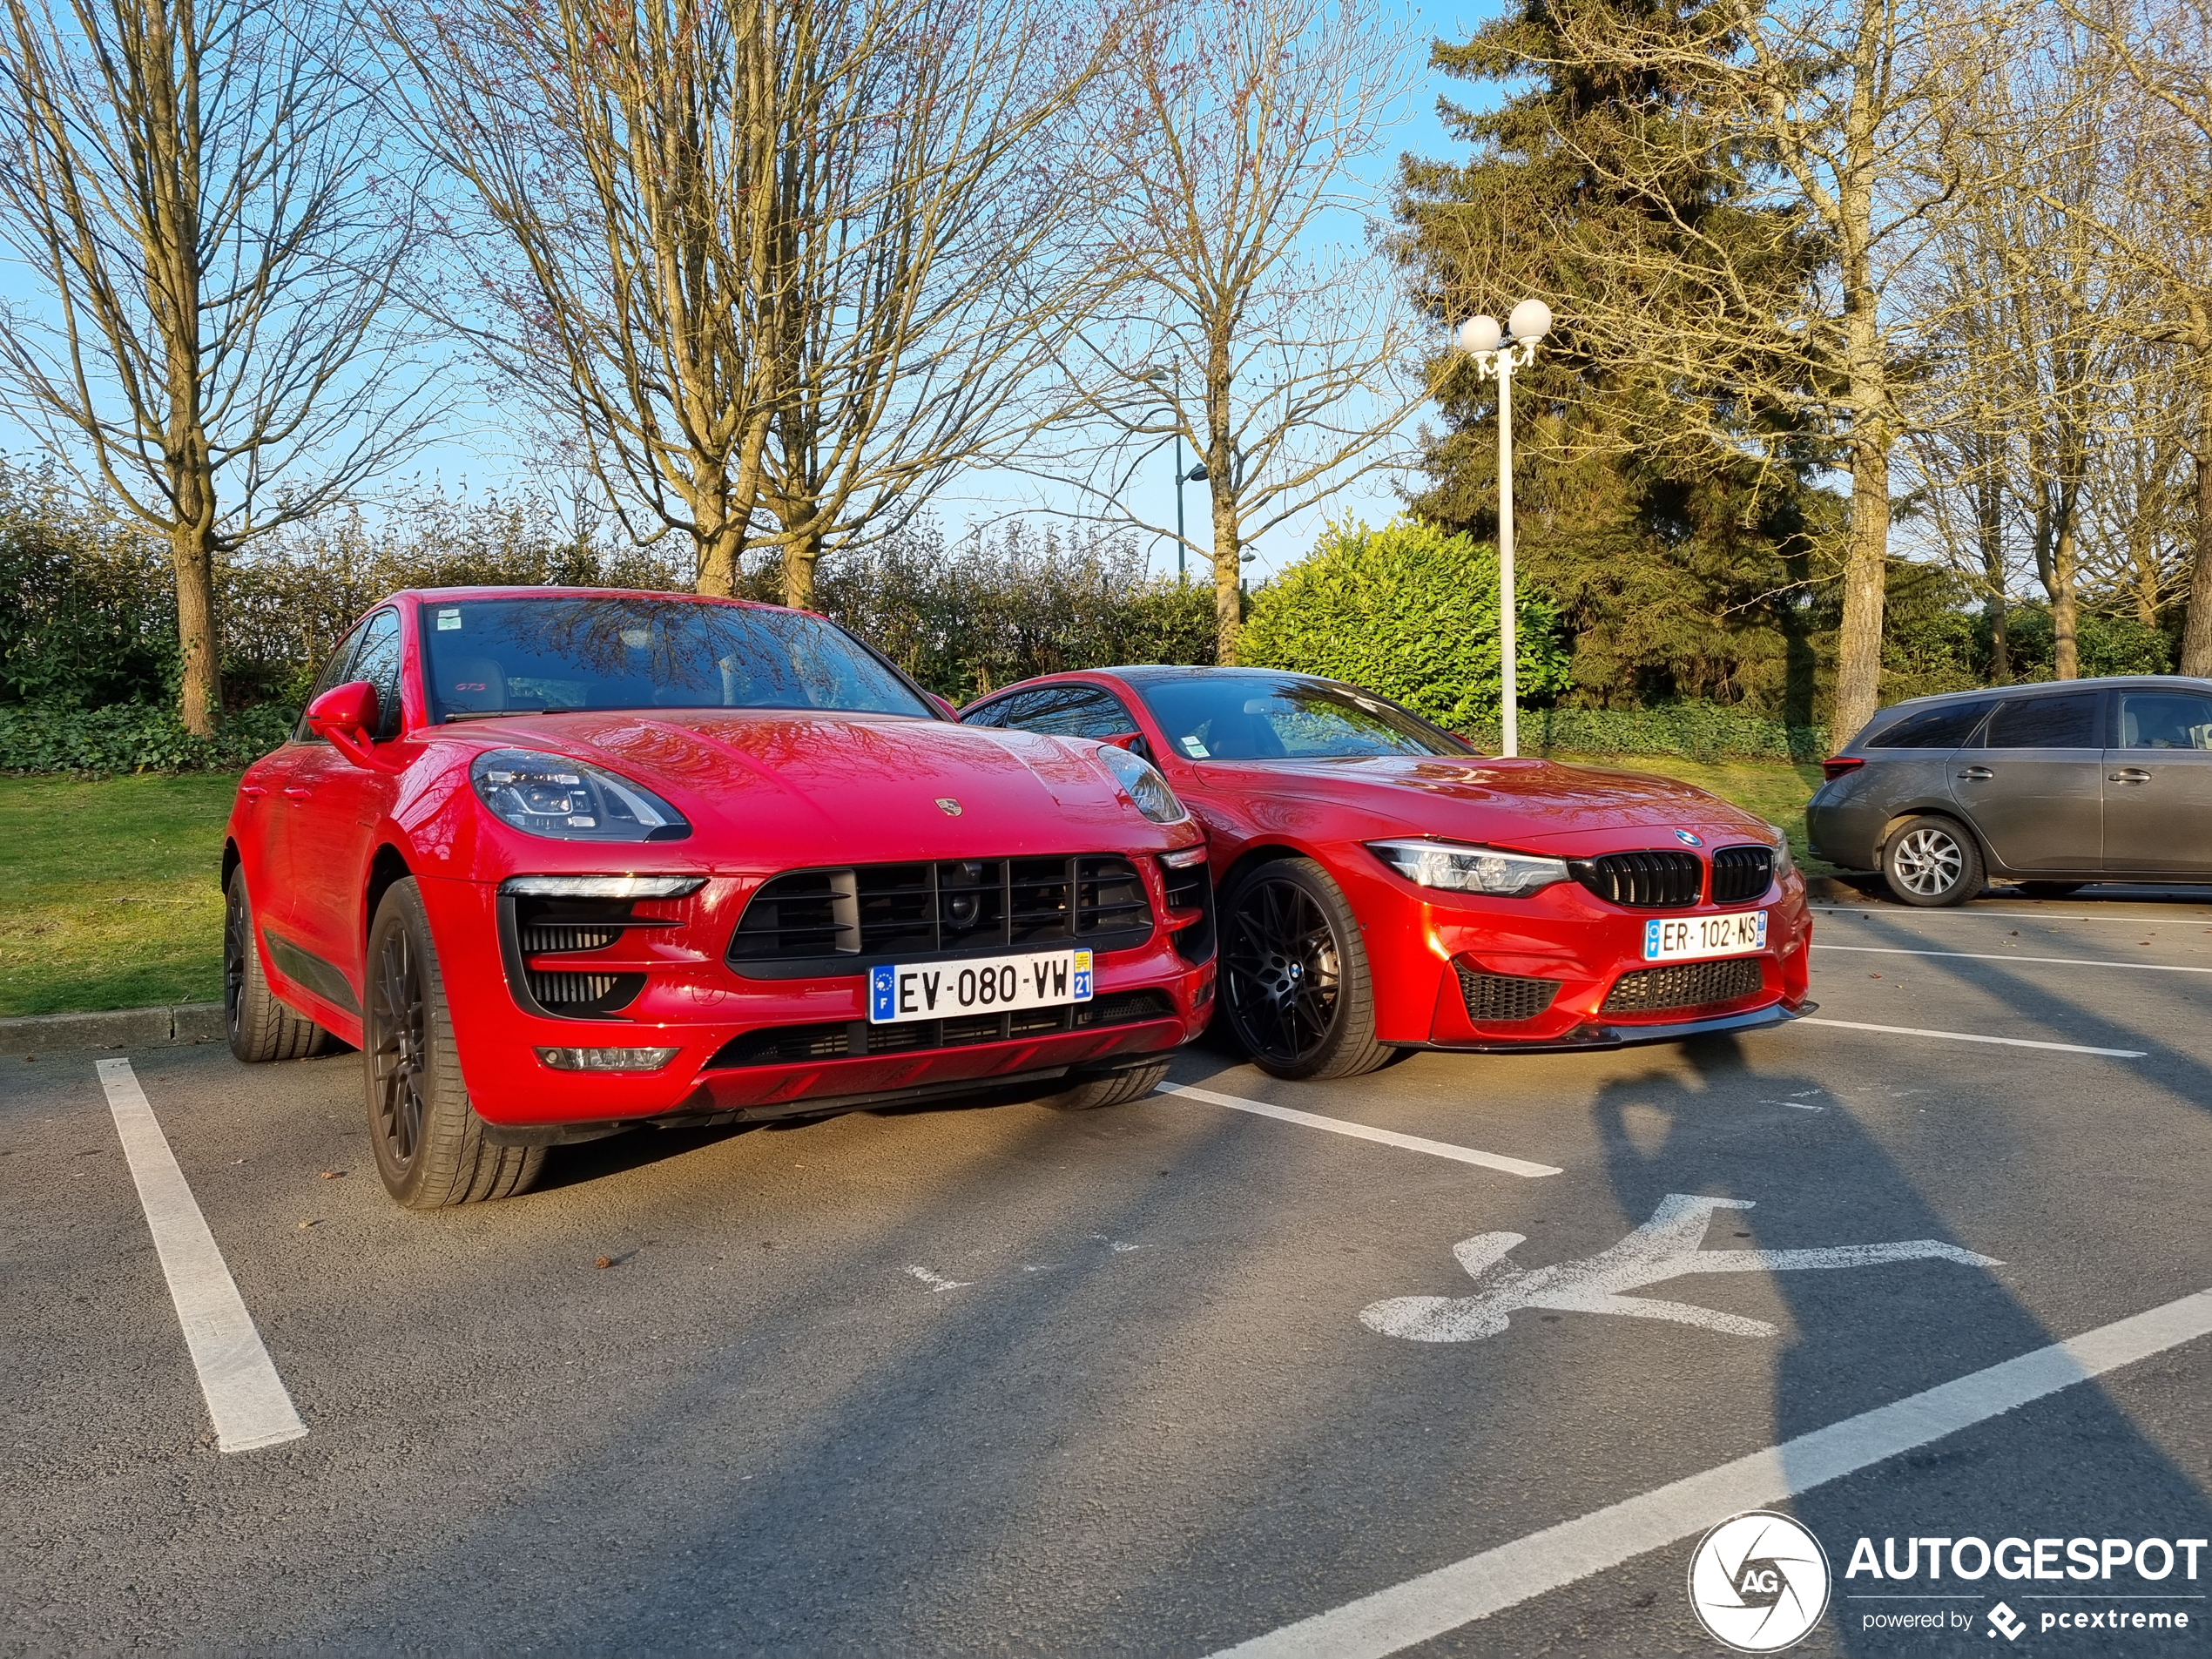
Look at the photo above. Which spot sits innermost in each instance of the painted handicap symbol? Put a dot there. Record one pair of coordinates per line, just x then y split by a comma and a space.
1665, 1247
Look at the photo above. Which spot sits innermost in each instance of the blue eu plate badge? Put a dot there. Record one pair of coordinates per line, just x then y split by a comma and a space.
883, 992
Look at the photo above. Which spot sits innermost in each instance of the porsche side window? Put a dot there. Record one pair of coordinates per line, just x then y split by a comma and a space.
377, 661
333, 673
1070, 711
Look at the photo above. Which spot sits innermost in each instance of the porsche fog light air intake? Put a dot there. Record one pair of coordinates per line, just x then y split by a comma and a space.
1184, 857
1470, 869
607, 1059
569, 800
600, 887
1145, 786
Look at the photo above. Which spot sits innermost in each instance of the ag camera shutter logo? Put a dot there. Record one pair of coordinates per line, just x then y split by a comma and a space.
1758, 1583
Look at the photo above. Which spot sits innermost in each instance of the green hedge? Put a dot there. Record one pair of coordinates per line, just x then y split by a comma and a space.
1697, 731
132, 737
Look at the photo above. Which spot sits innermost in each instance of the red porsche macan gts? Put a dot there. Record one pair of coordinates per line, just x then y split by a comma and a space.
1382, 885
562, 862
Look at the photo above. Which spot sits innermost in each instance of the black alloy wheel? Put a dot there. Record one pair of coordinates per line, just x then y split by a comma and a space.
432, 1148
1295, 990
261, 1027
398, 1024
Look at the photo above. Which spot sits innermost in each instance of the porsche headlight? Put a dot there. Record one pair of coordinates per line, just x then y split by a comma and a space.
1470, 869
1783, 863
552, 795
1145, 786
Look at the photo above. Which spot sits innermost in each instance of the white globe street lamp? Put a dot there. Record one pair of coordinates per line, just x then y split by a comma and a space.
1499, 352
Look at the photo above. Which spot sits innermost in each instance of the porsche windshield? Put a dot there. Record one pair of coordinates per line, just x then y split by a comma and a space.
1282, 717
492, 656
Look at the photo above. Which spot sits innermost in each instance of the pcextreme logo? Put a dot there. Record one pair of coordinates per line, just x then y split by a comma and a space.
1758, 1582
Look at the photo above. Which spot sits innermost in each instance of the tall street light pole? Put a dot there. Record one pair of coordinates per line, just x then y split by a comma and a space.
1497, 353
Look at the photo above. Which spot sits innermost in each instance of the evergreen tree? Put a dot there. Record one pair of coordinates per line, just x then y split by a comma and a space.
1677, 526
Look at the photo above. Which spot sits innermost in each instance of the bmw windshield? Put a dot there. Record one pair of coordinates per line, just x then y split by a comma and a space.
1285, 717
558, 653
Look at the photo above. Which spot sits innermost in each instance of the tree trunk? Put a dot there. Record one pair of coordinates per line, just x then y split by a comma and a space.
2197, 636
1859, 657
800, 559
1989, 509
1227, 566
720, 539
191, 550
2066, 609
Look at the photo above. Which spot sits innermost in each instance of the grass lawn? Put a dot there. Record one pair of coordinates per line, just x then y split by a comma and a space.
116, 905
114, 902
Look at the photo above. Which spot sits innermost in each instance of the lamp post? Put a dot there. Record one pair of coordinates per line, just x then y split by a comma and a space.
1498, 352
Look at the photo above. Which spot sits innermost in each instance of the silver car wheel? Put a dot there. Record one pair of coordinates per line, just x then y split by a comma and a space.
1927, 861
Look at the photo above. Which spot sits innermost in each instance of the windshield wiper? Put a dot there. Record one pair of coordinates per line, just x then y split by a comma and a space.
501, 714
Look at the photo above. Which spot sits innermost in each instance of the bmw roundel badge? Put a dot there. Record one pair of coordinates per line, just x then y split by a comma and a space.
1683, 836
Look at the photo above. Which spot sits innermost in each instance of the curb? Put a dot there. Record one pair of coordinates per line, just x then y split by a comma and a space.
117, 1028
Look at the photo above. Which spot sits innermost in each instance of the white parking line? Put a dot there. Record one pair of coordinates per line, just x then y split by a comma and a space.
245, 1395
1975, 1037
1426, 1607
1360, 1131
2008, 956
1893, 913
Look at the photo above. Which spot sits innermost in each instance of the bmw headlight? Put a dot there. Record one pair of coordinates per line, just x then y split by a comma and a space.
1783, 862
1470, 869
1145, 786
543, 794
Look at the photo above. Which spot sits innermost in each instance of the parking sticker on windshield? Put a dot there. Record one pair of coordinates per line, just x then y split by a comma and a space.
1667, 1247
448, 619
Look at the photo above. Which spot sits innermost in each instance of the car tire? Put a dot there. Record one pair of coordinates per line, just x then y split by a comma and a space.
1932, 862
261, 1027
1295, 993
1110, 1088
429, 1142
2050, 889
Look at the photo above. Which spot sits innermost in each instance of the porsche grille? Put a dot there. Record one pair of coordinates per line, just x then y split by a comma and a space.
835, 920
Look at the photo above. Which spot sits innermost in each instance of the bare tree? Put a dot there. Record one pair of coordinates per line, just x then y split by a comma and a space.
2161, 221
781, 264
196, 186
1231, 316
2030, 347
1826, 110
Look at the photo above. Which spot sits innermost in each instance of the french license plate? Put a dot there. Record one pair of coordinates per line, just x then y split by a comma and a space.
985, 985
1690, 939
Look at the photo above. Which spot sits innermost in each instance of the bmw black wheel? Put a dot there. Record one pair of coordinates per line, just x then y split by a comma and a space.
430, 1146
1295, 989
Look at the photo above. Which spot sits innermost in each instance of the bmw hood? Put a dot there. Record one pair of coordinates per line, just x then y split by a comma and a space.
1541, 806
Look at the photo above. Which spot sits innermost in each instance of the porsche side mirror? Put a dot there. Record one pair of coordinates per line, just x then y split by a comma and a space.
346, 716
1132, 741
942, 706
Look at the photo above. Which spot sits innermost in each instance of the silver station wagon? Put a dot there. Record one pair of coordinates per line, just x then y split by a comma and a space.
2050, 786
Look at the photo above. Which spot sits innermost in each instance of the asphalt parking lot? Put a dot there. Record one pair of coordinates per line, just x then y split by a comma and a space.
1178, 1376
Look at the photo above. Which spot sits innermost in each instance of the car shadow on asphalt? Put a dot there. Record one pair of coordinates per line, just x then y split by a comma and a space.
2072, 1465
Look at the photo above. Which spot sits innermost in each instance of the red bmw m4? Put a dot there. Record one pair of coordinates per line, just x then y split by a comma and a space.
1383, 885
564, 861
